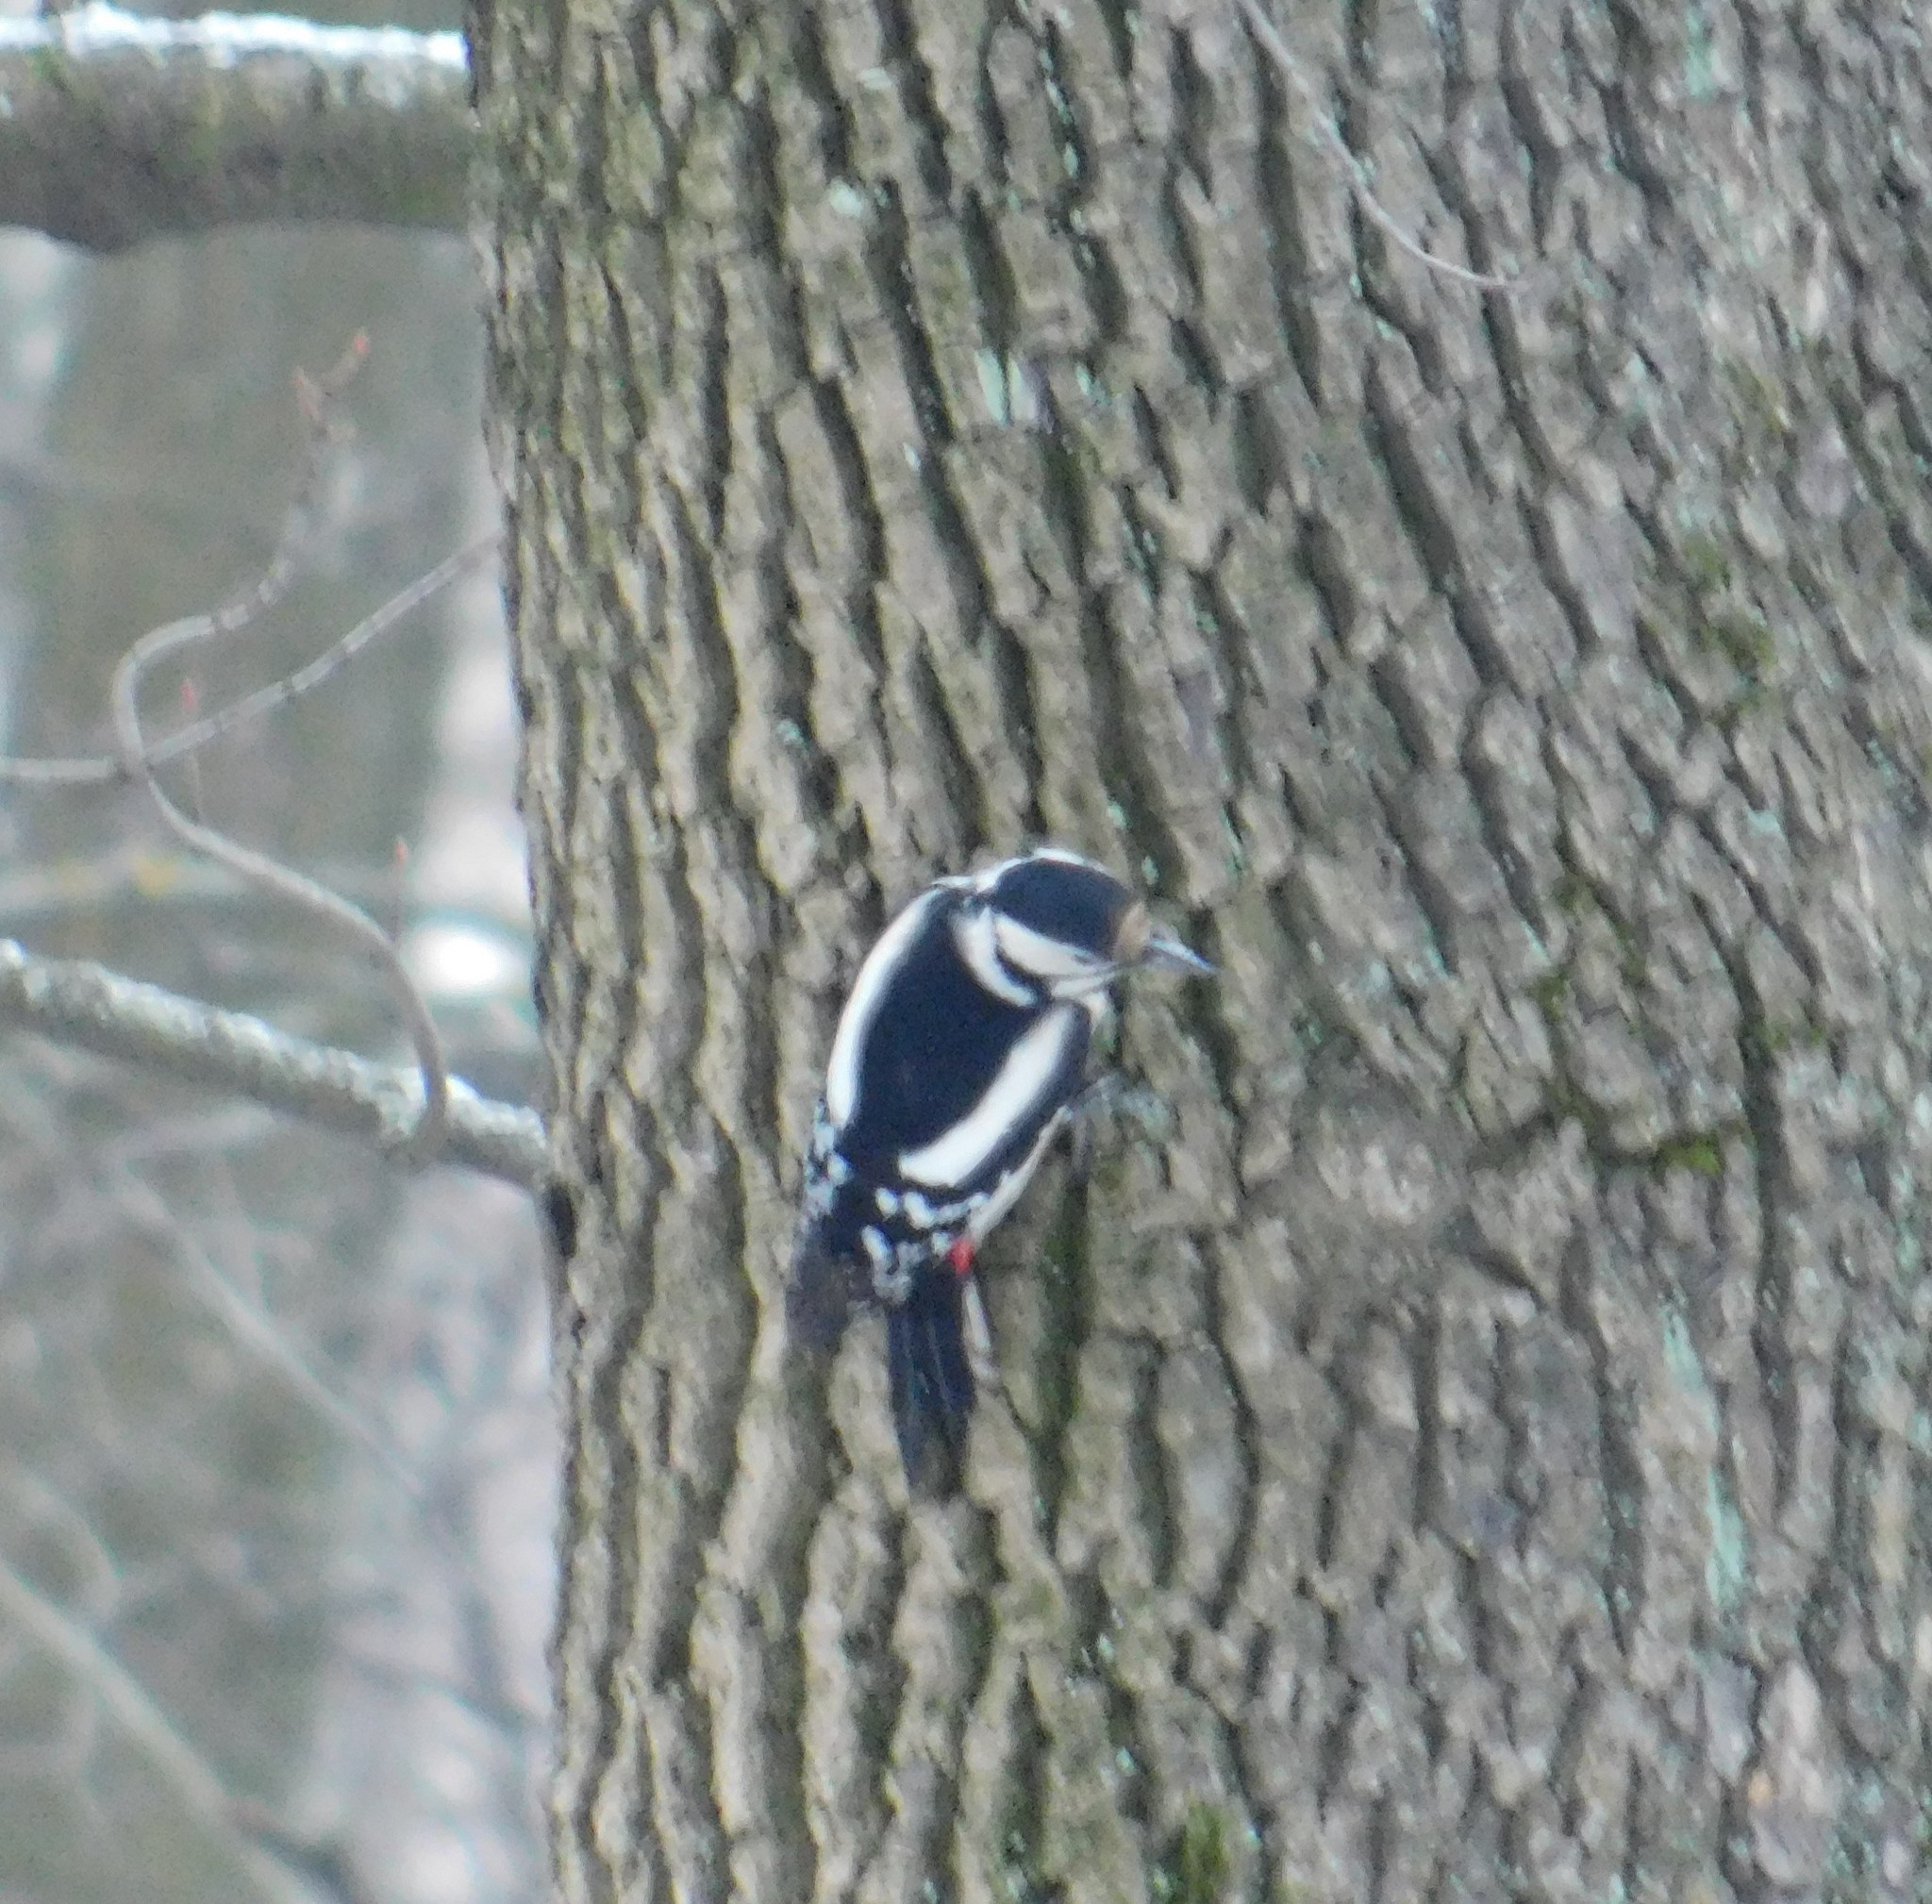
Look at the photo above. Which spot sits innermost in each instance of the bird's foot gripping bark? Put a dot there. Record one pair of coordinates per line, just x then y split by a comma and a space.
1111, 1094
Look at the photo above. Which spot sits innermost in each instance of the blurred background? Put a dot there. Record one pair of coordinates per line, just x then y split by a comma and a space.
276, 1462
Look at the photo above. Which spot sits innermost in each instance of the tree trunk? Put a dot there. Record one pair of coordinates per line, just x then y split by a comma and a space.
1479, 1446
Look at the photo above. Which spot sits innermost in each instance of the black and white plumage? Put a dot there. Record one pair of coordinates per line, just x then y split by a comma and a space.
957, 1061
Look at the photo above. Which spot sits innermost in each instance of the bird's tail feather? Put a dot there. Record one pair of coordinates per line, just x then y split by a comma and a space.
931, 1378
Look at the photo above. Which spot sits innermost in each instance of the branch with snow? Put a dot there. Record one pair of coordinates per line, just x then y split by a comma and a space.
115, 129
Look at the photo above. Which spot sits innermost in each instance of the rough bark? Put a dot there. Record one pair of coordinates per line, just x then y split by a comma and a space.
1480, 1449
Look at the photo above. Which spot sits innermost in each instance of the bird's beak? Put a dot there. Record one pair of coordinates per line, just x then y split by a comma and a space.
1168, 954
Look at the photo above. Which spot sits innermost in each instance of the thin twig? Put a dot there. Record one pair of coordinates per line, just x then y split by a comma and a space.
159, 874
1277, 48
76, 1002
258, 595
98, 769
313, 396
277, 694
284, 881
197, 1787
78, 770
145, 1210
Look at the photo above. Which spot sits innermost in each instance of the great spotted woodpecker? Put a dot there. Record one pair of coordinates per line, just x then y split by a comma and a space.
958, 1060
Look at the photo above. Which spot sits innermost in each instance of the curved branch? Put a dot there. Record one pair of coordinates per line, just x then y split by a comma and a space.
78, 1003
93, 770
424, 1139
315, 397
1275, 47
117, 130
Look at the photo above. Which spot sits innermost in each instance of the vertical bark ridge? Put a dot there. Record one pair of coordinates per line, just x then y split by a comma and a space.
1476, 1452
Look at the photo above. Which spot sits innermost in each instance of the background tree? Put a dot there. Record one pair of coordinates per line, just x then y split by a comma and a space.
1480, 1450
275, 1470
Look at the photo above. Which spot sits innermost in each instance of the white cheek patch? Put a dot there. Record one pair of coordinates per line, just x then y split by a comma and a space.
1048, 959
1010, 1103
881, 965
976, 934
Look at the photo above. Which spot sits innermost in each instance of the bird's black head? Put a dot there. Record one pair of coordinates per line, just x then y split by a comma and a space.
1070, 926
1071, 901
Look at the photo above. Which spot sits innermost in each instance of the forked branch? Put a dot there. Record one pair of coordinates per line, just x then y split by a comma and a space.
90, 1006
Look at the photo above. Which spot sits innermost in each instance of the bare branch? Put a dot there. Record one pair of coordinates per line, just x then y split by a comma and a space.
315, 397
137, 760
197, 1788
120, 129
1276, 49
277, 694
284, 881
255, 598
34, 893
97, 769
255, 1331
76, 1002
